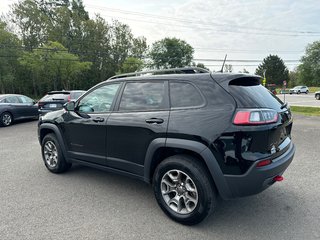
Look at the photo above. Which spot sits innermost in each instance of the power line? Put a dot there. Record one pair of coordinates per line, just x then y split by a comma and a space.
203, 27
313, 33
91, 52
237, 60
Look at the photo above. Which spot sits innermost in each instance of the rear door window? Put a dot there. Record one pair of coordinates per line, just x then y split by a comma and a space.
183, 94
12, 99
26, 100
143, 96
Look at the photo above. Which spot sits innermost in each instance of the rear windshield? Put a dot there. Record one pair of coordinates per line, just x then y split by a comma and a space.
55, 97
256, 96
76, 95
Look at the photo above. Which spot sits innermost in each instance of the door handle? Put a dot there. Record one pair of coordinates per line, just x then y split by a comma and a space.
154, 120
98, 119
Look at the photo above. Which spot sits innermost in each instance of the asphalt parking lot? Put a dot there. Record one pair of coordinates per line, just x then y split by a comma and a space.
87, 203
302, 99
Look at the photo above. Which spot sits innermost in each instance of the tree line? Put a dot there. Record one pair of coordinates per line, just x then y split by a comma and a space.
54, 44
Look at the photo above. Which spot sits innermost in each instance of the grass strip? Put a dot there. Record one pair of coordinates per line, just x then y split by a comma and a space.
307, 111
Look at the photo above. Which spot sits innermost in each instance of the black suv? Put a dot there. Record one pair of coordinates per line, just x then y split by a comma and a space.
193, 136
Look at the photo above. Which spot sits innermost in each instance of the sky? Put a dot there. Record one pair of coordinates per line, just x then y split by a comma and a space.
246, 30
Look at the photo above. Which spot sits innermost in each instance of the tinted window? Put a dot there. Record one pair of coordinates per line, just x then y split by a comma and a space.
184, 95
255, 96
24, 99
76, 95
12, 99
99, 100
56, 97
144, 96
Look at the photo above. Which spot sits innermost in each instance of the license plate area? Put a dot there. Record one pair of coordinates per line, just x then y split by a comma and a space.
52, 105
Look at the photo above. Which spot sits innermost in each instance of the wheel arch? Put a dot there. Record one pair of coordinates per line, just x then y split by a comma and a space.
160, 149
47, 128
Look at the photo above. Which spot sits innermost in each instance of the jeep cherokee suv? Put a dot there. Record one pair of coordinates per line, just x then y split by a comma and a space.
193, 136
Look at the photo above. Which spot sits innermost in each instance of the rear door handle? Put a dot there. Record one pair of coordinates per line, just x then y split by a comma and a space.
98, 119
154, 120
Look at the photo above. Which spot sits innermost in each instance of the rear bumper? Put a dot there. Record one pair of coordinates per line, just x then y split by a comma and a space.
43, 111
256, 180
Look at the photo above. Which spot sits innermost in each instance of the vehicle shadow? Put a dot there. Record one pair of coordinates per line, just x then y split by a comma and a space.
277, 206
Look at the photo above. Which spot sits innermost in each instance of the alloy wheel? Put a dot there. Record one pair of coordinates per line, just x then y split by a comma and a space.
179, 191
6, 119
50, 154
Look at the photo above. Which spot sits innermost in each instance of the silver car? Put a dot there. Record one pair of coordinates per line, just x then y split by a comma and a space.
299, 89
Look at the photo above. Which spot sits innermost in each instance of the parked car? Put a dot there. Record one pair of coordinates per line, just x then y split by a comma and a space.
299, 89
193, 136
14, 107
55, 100
317, 95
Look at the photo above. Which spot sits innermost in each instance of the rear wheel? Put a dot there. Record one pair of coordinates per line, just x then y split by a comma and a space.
318, 96
298, 92
307, 92
6, 119
52, 155
183, 189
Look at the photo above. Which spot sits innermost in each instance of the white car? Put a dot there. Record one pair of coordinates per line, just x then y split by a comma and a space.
299, 89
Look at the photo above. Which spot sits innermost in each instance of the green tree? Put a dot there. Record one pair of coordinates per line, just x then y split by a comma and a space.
199, 65
139, 47
309, 70
293, 78
131, 64
171, 53
275, 70
10, 48
31, 22
60, 67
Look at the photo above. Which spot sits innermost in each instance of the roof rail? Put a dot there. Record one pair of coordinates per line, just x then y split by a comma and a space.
185, 70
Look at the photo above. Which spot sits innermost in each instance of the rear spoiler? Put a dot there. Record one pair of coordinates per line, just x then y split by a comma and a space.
224, 80
58, 92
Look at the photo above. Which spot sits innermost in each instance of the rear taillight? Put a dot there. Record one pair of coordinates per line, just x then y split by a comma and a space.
263, 163
40, 104
69, 98
255, 117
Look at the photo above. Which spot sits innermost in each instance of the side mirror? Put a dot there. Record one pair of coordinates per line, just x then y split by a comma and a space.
69, 106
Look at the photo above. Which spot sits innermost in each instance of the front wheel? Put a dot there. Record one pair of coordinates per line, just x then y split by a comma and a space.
52, 155
318, 96
183, 189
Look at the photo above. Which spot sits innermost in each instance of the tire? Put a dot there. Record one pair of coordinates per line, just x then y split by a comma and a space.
171, 181
298, 92
52, 155
307, 92
318, 96
6, 119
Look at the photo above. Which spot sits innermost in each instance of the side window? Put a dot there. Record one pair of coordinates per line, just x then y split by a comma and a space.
99, 100
24, 99
184, 94
12, 99
144, 96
